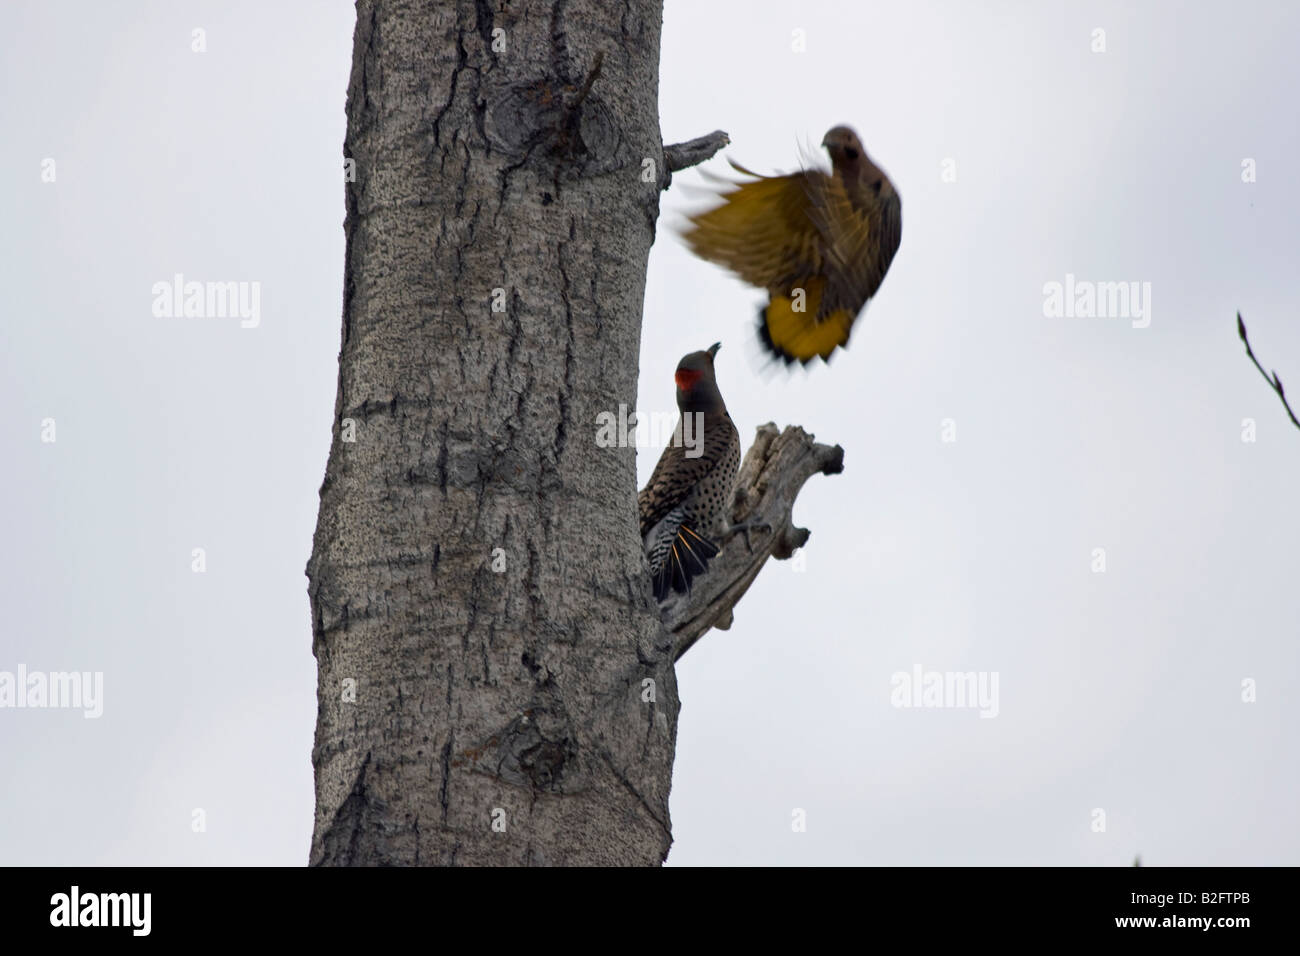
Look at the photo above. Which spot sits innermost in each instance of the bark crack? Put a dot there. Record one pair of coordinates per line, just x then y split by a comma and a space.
561, 431
645, 804
462, 57
446, 767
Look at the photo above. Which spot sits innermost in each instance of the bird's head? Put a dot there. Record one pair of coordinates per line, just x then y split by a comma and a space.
697, 388
851, 161
843, 145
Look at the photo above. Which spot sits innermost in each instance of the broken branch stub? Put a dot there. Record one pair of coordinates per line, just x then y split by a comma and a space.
681, 156
774, 471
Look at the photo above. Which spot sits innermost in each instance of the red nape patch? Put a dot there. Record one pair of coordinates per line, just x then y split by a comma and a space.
686, 377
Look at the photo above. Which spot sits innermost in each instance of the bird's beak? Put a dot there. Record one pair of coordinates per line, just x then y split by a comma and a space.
713, 349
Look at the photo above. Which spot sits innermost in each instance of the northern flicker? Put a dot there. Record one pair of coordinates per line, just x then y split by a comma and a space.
683, 507
819, 243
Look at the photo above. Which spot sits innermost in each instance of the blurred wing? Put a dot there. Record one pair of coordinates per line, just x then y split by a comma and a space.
762, 231
860, 240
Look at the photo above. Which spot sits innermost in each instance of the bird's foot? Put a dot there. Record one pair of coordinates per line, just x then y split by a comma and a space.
744, 528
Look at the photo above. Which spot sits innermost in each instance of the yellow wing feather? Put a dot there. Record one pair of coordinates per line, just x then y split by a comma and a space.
761, 231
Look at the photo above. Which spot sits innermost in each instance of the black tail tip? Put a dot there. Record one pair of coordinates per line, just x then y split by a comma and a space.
775, 351
687, 559
770, 347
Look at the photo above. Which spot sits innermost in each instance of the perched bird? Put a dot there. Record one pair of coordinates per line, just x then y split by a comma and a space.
683, 508
819, 243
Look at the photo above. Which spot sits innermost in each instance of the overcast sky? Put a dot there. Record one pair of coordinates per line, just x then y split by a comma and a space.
1149, 437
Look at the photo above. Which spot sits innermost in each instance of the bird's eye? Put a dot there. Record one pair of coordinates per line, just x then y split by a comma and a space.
850, 152
875, 187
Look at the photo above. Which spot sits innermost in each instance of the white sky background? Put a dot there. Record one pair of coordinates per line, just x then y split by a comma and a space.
1119, 691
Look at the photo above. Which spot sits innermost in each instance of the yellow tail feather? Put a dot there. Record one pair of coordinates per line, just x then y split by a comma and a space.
799, 336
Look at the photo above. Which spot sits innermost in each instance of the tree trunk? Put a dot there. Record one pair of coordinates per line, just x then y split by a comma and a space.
482, 621
496, 683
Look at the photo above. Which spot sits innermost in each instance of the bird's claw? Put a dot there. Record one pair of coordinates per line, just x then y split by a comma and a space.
744, 528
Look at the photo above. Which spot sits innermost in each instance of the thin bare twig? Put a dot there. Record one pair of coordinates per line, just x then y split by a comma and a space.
1274, 383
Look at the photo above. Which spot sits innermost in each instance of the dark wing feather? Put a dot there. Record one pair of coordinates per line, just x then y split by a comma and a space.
859, 242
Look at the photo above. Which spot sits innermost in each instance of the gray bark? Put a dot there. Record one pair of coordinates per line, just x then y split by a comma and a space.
496, 685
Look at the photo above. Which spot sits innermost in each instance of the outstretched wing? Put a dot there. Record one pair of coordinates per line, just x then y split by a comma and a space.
762, 231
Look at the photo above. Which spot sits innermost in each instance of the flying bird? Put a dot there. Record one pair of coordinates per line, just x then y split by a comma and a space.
818, 243
683, 507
